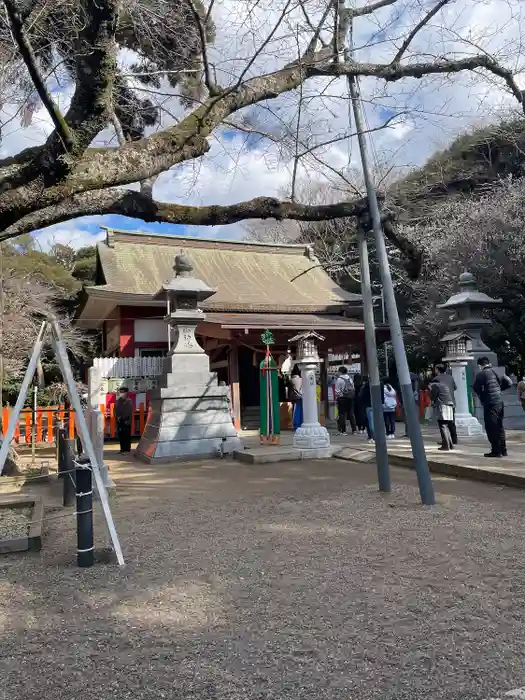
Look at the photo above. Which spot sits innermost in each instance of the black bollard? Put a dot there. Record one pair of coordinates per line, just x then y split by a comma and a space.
69, 474
84, 514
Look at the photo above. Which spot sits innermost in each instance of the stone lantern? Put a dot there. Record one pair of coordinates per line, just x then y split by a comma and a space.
464, 345
458, 345
190, 415
468, 305
311, 435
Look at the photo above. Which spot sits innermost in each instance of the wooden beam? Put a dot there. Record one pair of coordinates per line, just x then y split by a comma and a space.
213, 330
235, 389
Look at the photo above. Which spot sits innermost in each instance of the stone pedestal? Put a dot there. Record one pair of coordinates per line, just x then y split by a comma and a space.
467, 425
95, 421
189, 413
311, 435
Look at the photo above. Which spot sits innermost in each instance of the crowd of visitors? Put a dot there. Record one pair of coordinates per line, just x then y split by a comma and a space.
354, 404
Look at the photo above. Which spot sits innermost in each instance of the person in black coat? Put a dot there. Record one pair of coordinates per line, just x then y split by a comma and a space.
488, 387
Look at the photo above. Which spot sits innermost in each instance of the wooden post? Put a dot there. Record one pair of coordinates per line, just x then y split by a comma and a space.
103, 412
39, 425
28, 426
71, 424
235, 386
141, 418
5, 419
50, 425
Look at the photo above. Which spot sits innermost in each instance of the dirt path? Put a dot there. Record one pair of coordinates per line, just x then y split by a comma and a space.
289, 581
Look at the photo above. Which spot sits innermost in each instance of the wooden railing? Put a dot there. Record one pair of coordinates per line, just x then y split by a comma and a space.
46, 420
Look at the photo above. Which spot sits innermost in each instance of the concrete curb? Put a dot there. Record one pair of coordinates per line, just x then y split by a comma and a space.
459, 471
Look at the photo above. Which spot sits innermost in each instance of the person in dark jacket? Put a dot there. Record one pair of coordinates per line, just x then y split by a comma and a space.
445, 378
124, 416
360, 410
442, 398
488, 387
365, 402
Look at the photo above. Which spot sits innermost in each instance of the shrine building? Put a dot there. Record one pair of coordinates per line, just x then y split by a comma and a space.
280, 287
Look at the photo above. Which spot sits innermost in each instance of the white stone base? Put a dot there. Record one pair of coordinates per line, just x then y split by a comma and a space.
468, 425
311, 437
106, 479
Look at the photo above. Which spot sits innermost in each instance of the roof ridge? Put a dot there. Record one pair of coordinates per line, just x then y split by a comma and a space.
120, 235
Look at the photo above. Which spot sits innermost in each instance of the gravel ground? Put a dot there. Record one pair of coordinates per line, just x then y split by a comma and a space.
280, 582
14, 522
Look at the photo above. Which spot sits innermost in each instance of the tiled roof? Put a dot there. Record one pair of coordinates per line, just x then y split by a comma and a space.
248, 276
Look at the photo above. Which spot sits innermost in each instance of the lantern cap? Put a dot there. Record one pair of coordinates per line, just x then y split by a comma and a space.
305, 335
449, 337
468, 295
184, 282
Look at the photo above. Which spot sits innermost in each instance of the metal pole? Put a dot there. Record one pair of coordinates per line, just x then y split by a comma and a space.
383, 471
84, 494
385, 344
63, 361
26, 383
168, 309
426, 489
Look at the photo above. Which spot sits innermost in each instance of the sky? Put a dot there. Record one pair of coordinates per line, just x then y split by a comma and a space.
426, 114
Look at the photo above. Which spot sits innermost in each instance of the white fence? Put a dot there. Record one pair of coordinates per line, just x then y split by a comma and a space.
122, 367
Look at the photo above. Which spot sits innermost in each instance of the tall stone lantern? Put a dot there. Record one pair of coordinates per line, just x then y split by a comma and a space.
311, 435
189, 413
467, 307
464, 345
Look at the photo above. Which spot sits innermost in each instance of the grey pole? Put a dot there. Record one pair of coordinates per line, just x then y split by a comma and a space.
385, 344
22, 394
426, 489
383, 471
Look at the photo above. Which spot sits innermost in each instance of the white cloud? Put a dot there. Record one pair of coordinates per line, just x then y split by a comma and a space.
73, 233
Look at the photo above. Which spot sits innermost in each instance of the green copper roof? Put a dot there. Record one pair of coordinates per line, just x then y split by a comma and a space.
247, 276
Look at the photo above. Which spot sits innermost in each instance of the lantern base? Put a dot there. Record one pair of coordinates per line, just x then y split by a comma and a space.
468, 425
311, 437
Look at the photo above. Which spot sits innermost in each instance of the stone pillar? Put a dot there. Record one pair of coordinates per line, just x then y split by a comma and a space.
467, 425
95, 423
311, 435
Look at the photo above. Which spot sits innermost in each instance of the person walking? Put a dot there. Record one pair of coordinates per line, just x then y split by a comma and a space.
389, 409
365, 399
124, 416
488, 387
345, 395
521, 392
360, 410
447, 379
296, 397
442, 398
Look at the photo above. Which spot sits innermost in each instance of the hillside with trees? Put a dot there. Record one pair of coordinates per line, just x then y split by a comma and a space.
465, 209
33, 281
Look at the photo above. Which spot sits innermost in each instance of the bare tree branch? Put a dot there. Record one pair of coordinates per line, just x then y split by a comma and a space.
135, 204
212, 88
369, 9
30, 60
406, 43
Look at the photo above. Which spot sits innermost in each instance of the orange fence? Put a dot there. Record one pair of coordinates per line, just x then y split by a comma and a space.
46, 420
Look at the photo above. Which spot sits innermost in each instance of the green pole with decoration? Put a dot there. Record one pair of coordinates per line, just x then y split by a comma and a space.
270, 424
